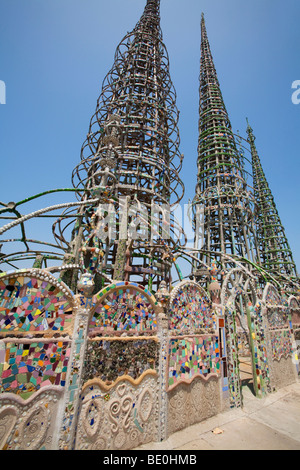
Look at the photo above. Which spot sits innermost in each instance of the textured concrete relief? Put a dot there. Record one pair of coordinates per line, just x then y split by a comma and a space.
30, 424
119, 417
191, 403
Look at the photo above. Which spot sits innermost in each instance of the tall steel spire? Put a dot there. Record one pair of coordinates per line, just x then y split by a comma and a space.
131, 159
221, 188
275, 252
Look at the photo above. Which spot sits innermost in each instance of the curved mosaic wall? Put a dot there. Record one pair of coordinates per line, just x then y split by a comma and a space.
31, 303
26, 367
35, 322
126, 307
271, 295
190, 309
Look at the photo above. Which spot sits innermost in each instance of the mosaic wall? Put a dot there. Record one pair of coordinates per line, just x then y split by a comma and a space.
124, 308
280, 338
272, 296
119, 417
190, 310
233, 370
27, 367
143, 379
36, 322
277, 318
29, 304
259, 345
281, 344
108, 360
33, 303
295, 312
191, 357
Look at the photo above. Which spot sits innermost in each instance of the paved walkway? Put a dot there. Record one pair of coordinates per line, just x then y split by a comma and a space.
271, 423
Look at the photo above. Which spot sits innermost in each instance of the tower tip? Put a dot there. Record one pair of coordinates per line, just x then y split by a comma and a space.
249, 128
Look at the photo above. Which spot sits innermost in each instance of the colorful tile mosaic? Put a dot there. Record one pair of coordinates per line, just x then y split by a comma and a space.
259, 353
190, 310
293, 304
193, 356
272, 296
277, 318
26, 367
28, 304
124, 309
233, 370
281, 344
108, 360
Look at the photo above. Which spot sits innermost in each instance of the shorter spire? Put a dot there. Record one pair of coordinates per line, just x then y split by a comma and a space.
275, 252
251, 136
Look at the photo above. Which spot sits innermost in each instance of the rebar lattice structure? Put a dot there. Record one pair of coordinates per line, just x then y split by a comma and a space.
275, 252
221, 191
131, 160
126, 182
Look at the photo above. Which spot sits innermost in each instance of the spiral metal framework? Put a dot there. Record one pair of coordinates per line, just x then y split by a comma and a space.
221, 190
132, 154
275, 252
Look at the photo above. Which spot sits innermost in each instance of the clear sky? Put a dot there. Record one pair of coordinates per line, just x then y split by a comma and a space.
55, 53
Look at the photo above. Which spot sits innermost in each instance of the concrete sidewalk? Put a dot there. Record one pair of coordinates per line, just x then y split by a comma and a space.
271, 423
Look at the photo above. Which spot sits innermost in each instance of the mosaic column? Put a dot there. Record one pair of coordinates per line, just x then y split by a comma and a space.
261, 379
163, 296
163, 402
234, 382
73, 382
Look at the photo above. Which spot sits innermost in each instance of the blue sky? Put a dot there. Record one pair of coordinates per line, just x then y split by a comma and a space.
55, 54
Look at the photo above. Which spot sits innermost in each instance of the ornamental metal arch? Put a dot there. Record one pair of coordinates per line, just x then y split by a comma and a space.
293, 303
238, 282
241, 305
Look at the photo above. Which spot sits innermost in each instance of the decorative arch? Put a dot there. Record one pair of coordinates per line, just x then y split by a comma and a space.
293, 303
34, 301
294, 309
124, 306
244, 322
271, 296
193, 342
238, 282
277, 310
281, 315
190, 308
36, 324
